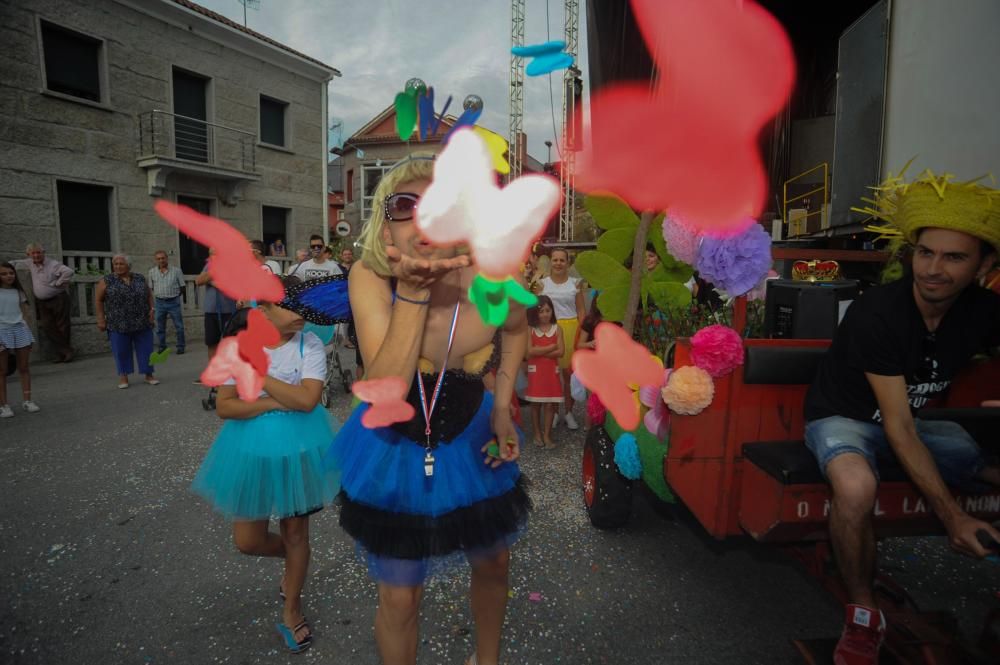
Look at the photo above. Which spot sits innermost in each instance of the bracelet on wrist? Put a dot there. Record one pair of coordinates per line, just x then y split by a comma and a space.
412, 301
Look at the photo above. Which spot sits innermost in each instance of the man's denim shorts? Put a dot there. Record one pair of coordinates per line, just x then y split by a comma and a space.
956, 453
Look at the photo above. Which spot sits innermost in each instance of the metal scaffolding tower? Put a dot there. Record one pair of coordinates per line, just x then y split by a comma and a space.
567, 172
516, 88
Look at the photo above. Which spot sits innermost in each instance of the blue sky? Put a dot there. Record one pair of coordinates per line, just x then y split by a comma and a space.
460, 47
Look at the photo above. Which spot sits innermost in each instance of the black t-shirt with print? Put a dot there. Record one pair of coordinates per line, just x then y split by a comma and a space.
883, 333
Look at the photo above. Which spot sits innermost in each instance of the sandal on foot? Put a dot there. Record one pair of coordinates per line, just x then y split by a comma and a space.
288, 635
540, 444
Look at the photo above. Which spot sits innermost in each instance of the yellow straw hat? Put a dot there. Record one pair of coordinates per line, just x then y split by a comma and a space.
935, 201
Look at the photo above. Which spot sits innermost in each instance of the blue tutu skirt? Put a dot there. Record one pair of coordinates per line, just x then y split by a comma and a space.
270, 466
408, 525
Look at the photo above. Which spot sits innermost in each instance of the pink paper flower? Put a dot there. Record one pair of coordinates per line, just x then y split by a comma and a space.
689, 390
657, 419
682, 241
595, 410
717, 349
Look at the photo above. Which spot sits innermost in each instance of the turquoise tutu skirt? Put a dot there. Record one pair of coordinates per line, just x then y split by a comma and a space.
270, 466
407, 525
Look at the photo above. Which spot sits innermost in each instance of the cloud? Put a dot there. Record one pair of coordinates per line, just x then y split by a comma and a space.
460, 47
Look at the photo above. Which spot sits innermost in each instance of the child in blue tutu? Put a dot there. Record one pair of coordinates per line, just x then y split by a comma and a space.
419, 494
267, 459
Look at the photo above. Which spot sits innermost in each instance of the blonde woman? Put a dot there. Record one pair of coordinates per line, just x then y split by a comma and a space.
420, 494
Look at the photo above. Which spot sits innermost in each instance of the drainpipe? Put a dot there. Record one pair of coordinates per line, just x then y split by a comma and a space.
326, 159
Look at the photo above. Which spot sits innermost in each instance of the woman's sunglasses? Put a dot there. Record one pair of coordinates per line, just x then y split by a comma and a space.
399, 207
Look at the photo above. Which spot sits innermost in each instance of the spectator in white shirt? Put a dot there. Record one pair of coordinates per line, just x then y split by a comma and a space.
167, 283
320, 265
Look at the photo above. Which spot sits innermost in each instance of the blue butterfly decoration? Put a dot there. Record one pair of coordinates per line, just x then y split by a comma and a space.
548, 57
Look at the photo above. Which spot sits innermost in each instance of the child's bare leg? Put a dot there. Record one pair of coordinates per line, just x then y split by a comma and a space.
3, 376
550, 408
23, 372
536, 413
295, 535
252, 537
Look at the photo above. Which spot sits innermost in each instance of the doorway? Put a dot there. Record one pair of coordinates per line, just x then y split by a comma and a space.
192, 254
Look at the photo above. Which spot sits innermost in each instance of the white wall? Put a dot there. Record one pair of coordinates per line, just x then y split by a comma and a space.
943, 97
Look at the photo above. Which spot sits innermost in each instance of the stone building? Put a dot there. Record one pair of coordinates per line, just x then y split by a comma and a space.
108, 105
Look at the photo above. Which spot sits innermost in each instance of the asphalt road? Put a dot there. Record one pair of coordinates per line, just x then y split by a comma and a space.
108, 558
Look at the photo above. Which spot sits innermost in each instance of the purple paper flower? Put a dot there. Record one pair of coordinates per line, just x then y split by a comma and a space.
736, 264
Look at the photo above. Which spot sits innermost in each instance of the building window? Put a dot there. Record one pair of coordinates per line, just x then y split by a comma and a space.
272, 121
340, 215
371, 176
349, 186
72, 62
275, 225
84, 216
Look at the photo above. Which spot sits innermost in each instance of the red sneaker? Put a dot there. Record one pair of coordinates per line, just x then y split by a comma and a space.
864, 631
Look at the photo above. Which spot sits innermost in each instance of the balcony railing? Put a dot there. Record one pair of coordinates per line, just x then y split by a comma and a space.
164, 134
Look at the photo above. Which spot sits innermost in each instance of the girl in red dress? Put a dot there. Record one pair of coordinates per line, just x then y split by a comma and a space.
544, 382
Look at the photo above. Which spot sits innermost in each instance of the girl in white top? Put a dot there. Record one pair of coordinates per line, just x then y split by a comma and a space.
570, 309
267, 460
15, 338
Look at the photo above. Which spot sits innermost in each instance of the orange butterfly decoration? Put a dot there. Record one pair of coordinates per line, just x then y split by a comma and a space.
227, 363
233, 268
387, 399
608, 370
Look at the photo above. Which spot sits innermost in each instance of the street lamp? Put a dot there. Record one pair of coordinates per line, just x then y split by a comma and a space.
548, 144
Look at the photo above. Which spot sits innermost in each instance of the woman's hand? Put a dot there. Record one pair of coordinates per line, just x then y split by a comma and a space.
421, 273
507, 439
102, 325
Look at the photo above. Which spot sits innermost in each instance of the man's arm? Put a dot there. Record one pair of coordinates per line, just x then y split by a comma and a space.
203, 279
901, 431
64, 274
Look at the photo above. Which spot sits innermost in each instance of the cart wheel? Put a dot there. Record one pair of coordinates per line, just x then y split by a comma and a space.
607, 494
324, 396
348, 380
207, 404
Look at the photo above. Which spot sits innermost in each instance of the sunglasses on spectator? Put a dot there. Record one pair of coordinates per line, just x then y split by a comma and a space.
315, 246
399, 207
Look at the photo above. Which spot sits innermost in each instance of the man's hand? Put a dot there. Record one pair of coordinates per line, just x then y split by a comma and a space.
962, 535
991, 404
102, 325
421, 273
507, 439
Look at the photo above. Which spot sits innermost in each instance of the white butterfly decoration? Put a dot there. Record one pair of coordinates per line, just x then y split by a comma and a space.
464, 205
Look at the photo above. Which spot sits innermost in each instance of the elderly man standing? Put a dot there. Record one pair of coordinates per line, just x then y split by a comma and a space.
50, 284
167, 283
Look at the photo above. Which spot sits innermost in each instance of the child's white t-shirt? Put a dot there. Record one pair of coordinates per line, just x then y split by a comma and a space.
291, 365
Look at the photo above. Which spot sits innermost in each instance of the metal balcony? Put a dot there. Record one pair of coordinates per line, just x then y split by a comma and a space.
170, 143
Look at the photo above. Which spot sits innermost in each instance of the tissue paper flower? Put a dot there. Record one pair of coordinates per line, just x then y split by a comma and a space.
627, 456
717, 349
735, 264
689, 390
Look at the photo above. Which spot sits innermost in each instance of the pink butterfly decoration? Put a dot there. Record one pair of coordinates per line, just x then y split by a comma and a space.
726, 67
386, 397
464, 205
608, 370
228, 364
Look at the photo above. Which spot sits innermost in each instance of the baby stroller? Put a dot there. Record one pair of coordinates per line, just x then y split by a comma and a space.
334, 371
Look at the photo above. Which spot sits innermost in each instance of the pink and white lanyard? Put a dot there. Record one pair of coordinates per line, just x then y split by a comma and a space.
429, 410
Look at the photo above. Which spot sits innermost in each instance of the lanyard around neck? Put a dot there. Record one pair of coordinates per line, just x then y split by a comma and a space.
429, 410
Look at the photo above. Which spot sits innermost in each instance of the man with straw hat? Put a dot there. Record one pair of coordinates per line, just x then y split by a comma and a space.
898, 347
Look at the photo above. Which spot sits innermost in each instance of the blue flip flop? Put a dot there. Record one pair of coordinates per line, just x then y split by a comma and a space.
288, 635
